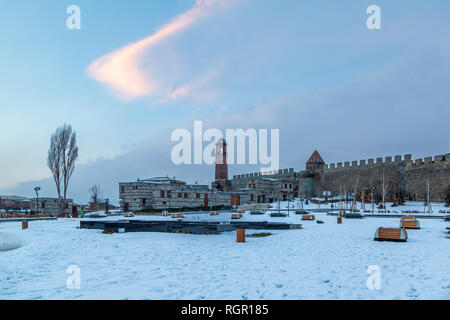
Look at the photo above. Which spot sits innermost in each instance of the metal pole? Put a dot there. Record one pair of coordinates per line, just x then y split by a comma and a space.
37, 199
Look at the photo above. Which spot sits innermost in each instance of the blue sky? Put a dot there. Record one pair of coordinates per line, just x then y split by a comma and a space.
310, 68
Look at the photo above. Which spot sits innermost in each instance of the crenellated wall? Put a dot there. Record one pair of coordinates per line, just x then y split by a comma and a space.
367, 163
402, 174
406, 177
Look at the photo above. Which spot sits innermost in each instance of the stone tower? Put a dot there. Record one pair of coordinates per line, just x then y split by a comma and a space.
315, 162
311, 179
221, 160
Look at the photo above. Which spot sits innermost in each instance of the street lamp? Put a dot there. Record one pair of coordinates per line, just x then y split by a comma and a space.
37, 199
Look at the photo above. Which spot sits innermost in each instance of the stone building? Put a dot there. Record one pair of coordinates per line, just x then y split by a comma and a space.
14, 203
262, 187
50, 206
165, 193
268, 190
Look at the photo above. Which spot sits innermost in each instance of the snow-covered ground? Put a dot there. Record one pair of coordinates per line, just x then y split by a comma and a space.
418, 207
320, 261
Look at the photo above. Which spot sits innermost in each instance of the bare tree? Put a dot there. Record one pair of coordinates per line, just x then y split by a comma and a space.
355, 188
54, 163
63, 153
428, 198
447, 198
384, 189
95, 192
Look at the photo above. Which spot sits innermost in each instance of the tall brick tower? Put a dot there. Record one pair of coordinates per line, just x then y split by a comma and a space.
221, 182
221, 160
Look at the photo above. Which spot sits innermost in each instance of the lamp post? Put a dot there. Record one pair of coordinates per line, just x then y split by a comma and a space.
37, 199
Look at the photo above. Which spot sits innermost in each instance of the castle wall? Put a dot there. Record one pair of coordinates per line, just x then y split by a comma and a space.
416, 173
401, 174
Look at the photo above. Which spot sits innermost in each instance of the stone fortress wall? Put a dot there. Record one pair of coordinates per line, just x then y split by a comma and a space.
406, 178
402, 174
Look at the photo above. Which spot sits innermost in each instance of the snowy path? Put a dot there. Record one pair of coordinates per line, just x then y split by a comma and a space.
326, 261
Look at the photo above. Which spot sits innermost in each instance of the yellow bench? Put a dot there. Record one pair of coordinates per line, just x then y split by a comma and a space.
410, 224
391, 234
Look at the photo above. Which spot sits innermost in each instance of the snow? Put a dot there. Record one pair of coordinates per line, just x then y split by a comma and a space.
9, 242
437, 208
320, 261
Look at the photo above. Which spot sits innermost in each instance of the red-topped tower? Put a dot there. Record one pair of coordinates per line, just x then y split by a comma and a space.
315, 162
221, 160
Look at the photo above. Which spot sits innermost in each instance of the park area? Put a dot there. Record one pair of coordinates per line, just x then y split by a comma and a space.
320, 261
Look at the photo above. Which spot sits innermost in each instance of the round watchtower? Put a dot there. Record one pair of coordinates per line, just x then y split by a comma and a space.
315, 162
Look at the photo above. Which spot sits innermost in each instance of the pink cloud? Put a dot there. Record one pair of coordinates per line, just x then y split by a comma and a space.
122, 70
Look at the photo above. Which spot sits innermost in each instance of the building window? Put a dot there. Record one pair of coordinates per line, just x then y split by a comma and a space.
134, 187
122, 189
162, 194
144, 201
43, 205
185, 195
251, 197
169, 194
206, 196
180, 195
198, 195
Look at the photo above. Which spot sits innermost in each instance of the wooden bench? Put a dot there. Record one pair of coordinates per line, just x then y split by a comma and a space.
408, 218
410, 224
214, 213
177, 216
308, 217
129, 215
391, 234
236, 216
